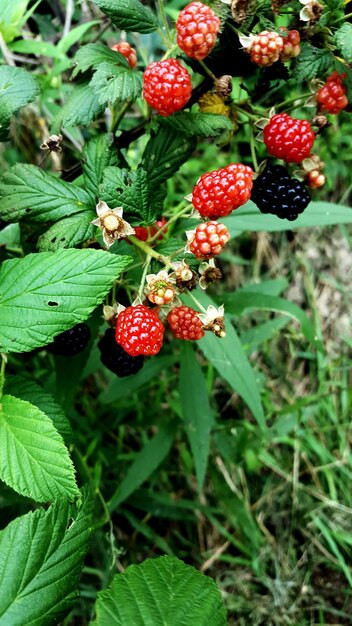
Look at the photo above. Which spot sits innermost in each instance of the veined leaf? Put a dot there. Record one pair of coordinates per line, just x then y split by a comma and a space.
312, 62
41, 559
115, 83
33, 393
34, 460
196, 410
130, 15
17, 88
98, 154
198, 124
28, 192
164, 154
82, 107
343, 39
68, 232
93, 54
132, 191
51, 292
160, 592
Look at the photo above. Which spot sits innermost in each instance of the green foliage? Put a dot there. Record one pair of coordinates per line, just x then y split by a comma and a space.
133, 192
11, 18
82, 107
116, 84
98, 154
129, 15
343, 39
49, 294
163, 592
68, 232
198, 124
312, 62
164, 154
41, 559
17, 88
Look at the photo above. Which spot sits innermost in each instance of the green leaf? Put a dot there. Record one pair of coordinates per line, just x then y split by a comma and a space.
98, 154
34, 460
116, 84
93, 54
39, 48
228, 357
164, 154
33, 393
75, 35
133, 192
160, 592
41, 559
68, 232
28, 192
130, 15
196, 410
17, 88
239, 302
82, 107
46, 293
312, 62
248, 217
145, 463
343, 38
259, 334
198, 124
11, 14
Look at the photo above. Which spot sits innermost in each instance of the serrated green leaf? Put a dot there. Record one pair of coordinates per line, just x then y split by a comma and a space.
248, 217
93, 54
34, 460
161, 592
132, 191
312, 62
146, 461
130, 15
228, 357
98, 154
50, 292
343, 38
41, 559
33, 393
198, 124
17, 88
28, 192
68, 232
196, 410
82, 107
116, 83
164, 154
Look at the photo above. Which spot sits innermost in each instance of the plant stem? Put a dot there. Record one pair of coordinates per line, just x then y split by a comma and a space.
142, 245
170, 221
207, 70
145, 272
341, 19
164, 20
253, 150
199, 305
241, 110
285, 103
2, 372
118, 115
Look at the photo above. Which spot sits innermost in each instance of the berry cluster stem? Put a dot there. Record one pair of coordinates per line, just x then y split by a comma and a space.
170, 221
2, 372
145, 272
118, 115
196, 302
142, 245
164, 21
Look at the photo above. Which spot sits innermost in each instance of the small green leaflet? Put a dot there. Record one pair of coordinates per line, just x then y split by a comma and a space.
164, 154
81, 107
46, 293
312, 62
68, 232
160, 592
97, 154
34, 460
41, 559
198, 124
11, 18
28, 192
93, 55
114, 83
132, 191
130, 15
17, 89
196, 410
343, 38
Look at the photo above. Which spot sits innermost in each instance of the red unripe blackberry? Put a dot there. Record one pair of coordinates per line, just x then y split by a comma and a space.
143, 233
291, 47
124, 48
218, 193
167, 86
288, 138
139, 331
71, 342
209, 240
332, 96
115, 358
185, 323
197, 28
265, 48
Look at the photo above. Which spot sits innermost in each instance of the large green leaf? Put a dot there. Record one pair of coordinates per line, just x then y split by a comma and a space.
115, 83
93, 54
145, 463
28, 192
133, 192
34, 460
130, 15
312, 62
17, 88
68, 232
41, 559
33, 393
196, 410
11, 16
343, 38
198, 124
161, 592
228, 357
46, 293
98, 153
81, 107
164, 154
248, 217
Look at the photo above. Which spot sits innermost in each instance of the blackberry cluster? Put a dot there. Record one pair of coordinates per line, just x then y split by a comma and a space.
275, 191
115, 358
71, 342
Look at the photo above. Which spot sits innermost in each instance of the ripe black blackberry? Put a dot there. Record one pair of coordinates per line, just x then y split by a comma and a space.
71, 341
115, 358
275, 191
